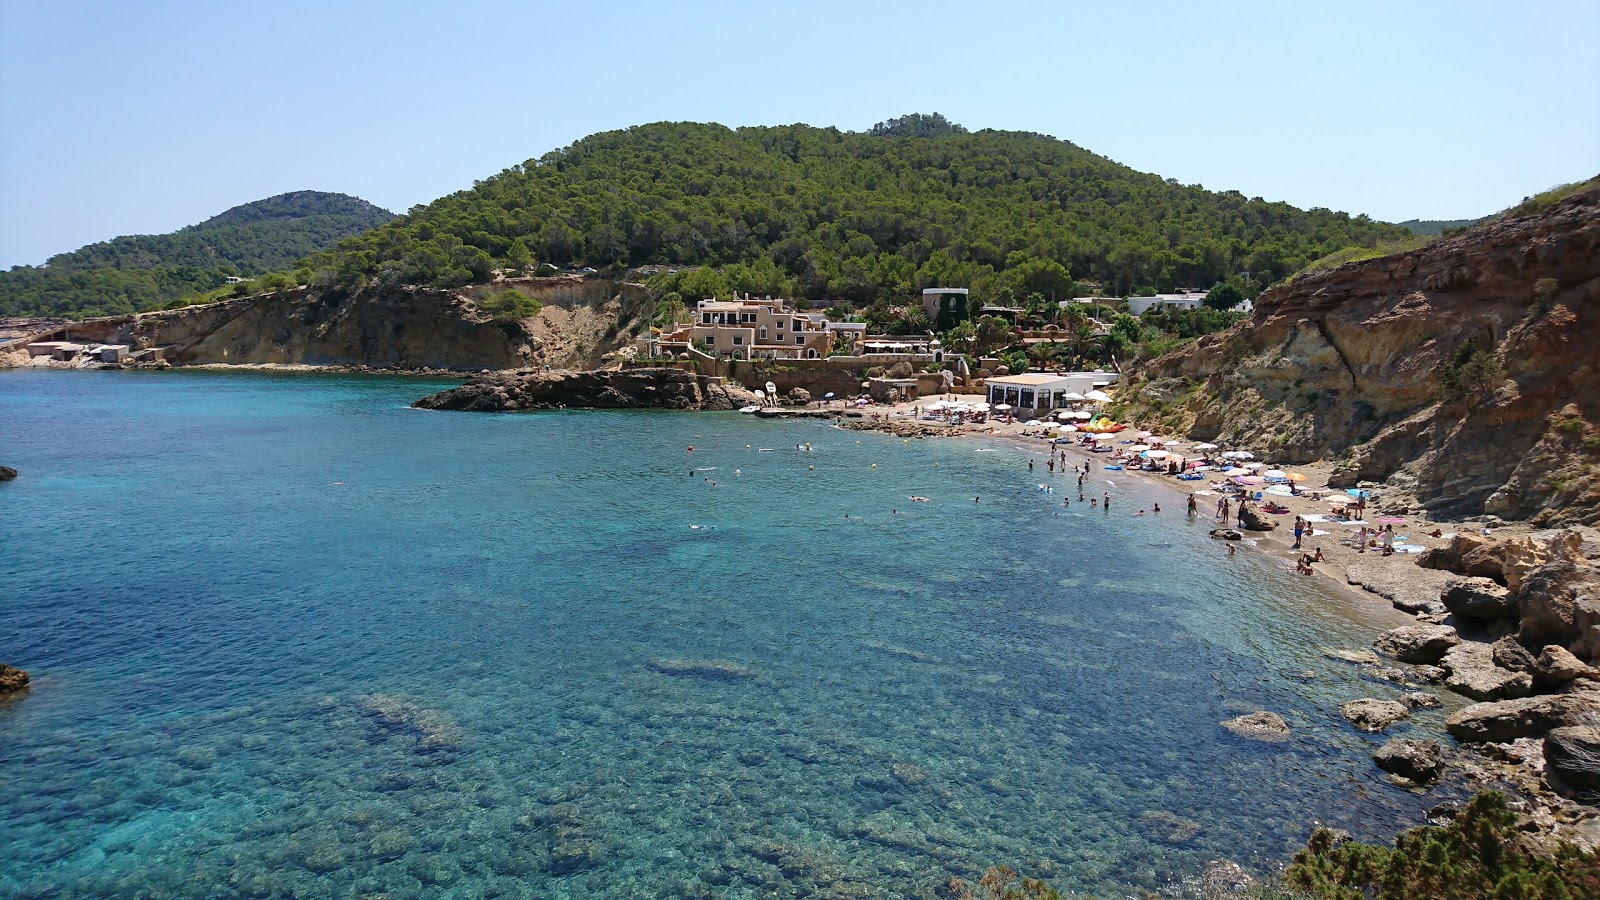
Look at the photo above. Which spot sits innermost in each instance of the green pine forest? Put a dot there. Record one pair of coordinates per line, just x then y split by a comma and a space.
137, 272
826, 215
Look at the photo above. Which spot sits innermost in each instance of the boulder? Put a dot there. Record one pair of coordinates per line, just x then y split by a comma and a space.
1572, 755
1421, 700
875, 372
1556, 665
12, 679
7, 473
1261, 726
1560, 604
1416, 761
1226, 534
1507, 561
1510, 655
1368, 714
901, 369
1418, 643
1507, 720
1449, 556
1254, 520
1002, 371
1473, 673
799, 395
1479, 598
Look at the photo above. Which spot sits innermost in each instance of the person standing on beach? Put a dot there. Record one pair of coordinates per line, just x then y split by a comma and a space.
1299, 529
1194, 508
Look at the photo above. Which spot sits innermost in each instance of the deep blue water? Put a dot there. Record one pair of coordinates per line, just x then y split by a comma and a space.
289, 636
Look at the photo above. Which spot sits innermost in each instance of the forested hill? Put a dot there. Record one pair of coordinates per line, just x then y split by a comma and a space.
136, 272
820, 213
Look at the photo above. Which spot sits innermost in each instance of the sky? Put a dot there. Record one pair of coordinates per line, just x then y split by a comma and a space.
138, 118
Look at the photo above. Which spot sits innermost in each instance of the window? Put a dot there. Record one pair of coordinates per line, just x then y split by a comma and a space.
738, 339
763, 332
799, 339
705, 318
780, 324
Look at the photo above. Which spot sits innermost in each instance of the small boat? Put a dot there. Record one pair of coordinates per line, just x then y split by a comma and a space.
749, 409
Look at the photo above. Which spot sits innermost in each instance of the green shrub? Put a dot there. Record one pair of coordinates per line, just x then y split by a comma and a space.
510, 304
1571, 426
1474, 856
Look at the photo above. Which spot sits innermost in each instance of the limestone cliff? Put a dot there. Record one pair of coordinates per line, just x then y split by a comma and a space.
396, 328
1465, 374
663, 388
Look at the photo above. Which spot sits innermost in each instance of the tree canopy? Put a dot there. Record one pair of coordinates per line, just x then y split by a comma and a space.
817, 213
136, 272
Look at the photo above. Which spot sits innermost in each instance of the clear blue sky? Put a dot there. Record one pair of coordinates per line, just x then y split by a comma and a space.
124, 118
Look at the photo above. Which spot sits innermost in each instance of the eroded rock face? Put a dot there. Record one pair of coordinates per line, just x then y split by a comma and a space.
663, 388
1372, 715
1560, 604
1416, 761
1261, 726
12, 679
1344, 364
1418, 643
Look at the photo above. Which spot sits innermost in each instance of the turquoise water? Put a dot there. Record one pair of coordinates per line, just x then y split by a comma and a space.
289, 636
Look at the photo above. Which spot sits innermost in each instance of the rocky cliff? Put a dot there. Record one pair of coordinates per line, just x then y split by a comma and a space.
396, 328
628, 389
1465, 375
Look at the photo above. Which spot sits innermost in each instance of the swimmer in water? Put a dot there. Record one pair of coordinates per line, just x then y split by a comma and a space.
1157, 508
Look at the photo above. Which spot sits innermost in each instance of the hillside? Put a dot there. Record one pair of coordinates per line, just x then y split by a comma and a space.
141, 271
1436, 227
820, 214
1461, 375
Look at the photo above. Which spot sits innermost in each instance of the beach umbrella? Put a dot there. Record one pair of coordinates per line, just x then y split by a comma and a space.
1204, 447
1002, 406
1073, 396
758, 394
1248, 479
1295, 476
1142, 434
1098, 396
1250, 466
828, 396
1243, 454
1035, 423
1275, 473
1155, 454
1064, 414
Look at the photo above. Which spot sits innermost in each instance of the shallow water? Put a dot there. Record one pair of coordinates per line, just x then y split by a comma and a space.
289, 636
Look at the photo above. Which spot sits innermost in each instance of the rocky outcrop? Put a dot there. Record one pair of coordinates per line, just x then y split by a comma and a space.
397, 328
1254, 520
625, 389
1507, 720
1418, 643
1479, 598
1473, 673
1368, 714
1346, 365
7, 473
1560, 604
1572, 756
12, 679
1260, 726
1416, 761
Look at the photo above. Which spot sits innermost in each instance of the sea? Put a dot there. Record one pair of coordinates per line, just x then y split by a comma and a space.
290, 637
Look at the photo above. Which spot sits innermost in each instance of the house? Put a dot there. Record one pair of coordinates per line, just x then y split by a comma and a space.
946, 307
745, 329
1047, 390
1182, 300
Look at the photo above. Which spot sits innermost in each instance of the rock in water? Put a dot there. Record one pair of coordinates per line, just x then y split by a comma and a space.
1255, 521
12, 679
1572, 754
1368, 714
1261, 726
1226, 534
7, 473
1417, 643
660, 388
1416, 761
1507, 720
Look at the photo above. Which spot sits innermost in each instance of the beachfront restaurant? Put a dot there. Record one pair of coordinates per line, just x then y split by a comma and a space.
1038, 392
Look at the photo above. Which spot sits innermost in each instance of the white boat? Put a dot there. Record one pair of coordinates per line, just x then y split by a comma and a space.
749, 409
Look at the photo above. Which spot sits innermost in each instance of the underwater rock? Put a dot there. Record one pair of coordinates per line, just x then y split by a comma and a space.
709, 669
391, 716
1372, 715
1168, 827
1421, 700
1416, 761
1261, 726
12, 679
1226, 534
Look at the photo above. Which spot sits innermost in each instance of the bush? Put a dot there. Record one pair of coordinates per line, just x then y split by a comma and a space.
1474, 856
1470, 369
510, 304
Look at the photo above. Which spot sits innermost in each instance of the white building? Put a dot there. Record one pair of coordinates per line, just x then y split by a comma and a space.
1047, 390
1186, 300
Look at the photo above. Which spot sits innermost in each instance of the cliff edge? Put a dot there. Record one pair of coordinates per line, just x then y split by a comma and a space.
1465, 375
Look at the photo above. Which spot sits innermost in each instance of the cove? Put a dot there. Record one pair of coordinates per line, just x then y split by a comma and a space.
289, 636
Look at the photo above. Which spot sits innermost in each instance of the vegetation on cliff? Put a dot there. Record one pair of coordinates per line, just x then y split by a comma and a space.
820, 213
137, 272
